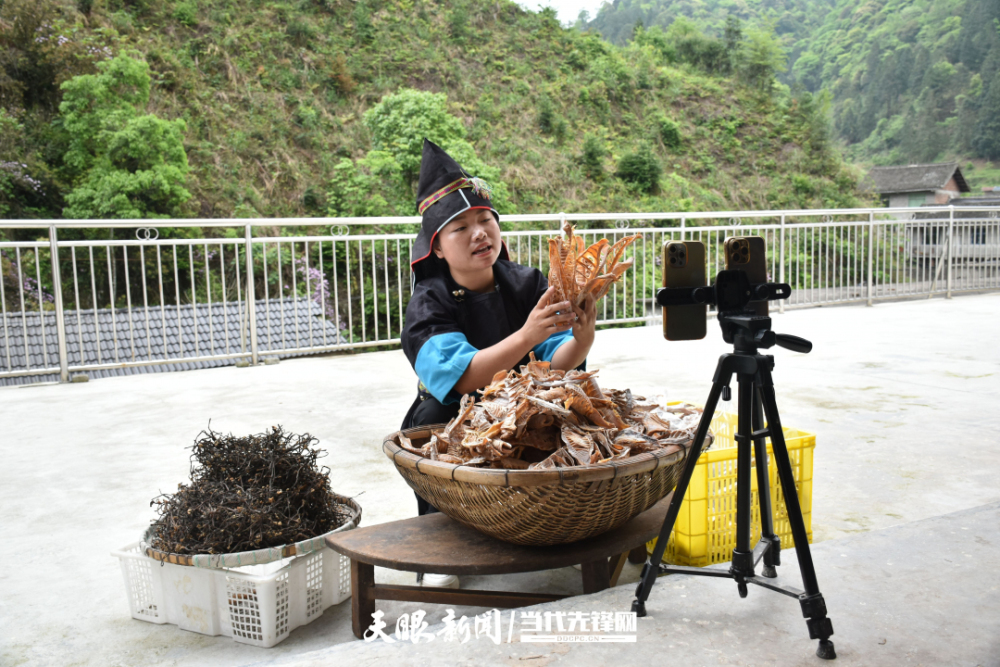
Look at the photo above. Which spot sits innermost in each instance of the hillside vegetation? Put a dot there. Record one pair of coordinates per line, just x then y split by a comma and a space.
914, 81
791, 20
910, 80
310, 107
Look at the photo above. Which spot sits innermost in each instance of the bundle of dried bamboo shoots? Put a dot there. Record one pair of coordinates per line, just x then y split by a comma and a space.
543, 418
576, 272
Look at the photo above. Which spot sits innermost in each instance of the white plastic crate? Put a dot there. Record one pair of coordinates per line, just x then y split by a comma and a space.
256, 604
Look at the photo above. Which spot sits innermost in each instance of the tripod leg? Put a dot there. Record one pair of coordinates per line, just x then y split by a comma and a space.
812, 602
650, 570
772, 557
743, 565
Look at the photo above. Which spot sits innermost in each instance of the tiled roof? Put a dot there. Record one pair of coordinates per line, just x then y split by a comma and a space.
152, 333
914, 178
960, 203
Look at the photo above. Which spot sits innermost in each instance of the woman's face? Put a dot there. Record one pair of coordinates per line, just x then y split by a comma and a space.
470, 243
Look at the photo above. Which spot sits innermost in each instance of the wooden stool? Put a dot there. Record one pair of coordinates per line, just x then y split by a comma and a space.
438, 544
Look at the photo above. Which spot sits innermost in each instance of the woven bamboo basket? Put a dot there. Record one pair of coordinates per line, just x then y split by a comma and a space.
539, 507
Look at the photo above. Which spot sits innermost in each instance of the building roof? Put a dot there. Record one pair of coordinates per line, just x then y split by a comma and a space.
914, 178
118, 337
981, 200
987, 204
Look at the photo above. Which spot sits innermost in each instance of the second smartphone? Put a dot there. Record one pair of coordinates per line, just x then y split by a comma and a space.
749, 254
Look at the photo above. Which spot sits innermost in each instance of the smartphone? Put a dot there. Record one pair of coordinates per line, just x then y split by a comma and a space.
749, 254
684, 266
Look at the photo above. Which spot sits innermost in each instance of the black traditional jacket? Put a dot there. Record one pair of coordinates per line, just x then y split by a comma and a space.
446, 324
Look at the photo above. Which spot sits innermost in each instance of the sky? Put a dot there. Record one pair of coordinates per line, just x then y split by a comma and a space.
567, 10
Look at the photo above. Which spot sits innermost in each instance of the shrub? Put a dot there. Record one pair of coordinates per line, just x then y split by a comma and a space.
640, 169
339, 76
314, 199
458, 23
185, 13
803, 186
364, 31
299, 32
549, 121
593, 157
306, 116
670, 133
615, 74
353, 192
546, 114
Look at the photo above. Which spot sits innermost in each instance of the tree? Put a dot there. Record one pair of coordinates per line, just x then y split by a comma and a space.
763, 57
641, 169
382, 182
400, 122
40, 47
22, 193
733, 38
122, 163
593, 157
987, 132
693, 47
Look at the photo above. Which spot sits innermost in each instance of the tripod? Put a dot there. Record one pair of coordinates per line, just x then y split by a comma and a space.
748, 332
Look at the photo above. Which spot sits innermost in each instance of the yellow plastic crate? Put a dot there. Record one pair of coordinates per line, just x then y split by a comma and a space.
705, 530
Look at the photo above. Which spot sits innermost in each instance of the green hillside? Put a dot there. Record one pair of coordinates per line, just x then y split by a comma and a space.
280, 103
910, 80
791, 20
913, 81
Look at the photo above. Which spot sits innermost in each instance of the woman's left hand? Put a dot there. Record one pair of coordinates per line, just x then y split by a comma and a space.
586, 320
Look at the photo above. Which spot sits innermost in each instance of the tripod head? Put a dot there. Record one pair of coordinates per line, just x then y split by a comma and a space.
732, 294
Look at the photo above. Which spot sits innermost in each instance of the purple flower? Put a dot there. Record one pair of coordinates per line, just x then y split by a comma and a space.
17, 172
32, 289
320, 288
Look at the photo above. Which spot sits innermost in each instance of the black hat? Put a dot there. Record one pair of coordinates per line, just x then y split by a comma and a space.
445, 190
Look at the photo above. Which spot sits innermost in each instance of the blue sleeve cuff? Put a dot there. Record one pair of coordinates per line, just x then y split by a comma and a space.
441, 362
545, 350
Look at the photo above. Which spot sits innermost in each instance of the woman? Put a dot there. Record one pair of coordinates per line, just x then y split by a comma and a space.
473, 312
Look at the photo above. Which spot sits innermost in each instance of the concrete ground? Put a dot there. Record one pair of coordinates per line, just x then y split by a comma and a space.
905, 498
892, 600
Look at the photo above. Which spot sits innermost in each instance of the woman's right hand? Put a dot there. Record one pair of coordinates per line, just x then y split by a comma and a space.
547, 318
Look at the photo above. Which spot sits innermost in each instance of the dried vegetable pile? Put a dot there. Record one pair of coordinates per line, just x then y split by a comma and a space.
542, 418
577, 273
248, 493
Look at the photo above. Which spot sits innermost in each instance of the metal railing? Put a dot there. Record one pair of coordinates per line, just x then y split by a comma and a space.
77, 305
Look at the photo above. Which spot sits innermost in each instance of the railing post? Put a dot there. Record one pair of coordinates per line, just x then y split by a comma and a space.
683, 228
781, 262
60, 319
251, 297
871, 250
951, 244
